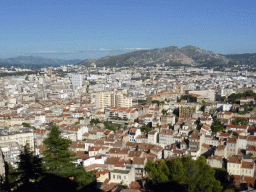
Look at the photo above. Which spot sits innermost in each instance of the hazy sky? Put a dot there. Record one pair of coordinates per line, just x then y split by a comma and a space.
94, 28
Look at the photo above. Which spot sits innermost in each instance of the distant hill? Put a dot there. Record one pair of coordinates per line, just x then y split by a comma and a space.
170, 56
246, 58
36, 60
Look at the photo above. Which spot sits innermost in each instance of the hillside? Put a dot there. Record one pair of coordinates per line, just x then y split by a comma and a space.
173, 55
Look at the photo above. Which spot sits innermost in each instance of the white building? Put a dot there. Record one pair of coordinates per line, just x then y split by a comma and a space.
77, 80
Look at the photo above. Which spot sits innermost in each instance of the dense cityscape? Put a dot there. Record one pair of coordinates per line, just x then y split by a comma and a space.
127, 96
120, 122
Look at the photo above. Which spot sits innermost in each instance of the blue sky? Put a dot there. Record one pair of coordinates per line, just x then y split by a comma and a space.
94, 28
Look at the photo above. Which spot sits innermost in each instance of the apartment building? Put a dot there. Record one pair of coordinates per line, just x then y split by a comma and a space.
112, 99
187, 109
22, 138
239, 165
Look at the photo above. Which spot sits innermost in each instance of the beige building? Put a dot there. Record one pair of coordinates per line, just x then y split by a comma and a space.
21, 138
187, 109
232, 148
205, 94
124, 177
240, 166
153, 137
111, 99
215, 161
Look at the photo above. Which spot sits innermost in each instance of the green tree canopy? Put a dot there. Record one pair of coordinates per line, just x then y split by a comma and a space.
240, 121
217, 125
56, 154
191, 175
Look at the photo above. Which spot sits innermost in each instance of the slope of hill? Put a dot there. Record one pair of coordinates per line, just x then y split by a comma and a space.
169, 56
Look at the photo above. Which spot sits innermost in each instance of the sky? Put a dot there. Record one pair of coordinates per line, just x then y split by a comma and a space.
70, 29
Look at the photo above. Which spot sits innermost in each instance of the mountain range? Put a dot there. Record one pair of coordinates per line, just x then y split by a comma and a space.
37, 60
170, 56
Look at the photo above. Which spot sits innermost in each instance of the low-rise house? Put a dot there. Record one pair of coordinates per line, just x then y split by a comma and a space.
111, 162
221, 151
141, 139
215, 161
206, 129
157, 150
194, 140
251, 140
172, 151
205, 148
95, 151
232, 148
102, 175
138, 163
96, 133
184, 130
211, 140
134, 154
153, 137
242, 142
124, 177
232, 127
148, 118
251, 149
166, 137
133, 133
89, 143
120, 153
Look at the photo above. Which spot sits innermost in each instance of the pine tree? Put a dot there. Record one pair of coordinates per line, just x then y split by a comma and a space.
58, 160
57, 154
28, 173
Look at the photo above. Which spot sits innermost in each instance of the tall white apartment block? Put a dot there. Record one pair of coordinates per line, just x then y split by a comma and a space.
77, 80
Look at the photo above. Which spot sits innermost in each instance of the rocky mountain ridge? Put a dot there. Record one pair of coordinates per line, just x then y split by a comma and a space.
169, 56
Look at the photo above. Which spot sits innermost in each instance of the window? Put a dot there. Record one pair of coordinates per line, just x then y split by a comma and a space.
124, 177
113, 176
118, 177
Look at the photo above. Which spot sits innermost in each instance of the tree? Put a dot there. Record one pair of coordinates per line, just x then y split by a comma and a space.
56, 155
222, 99
240, 121
30, 167
184, 173
223, 176
146, 128
26, 125
94, 121
109, 127
164, 112
217, 125
58, 161
28, 174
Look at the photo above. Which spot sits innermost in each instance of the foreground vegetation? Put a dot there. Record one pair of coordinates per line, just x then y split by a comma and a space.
185, 174
54, 172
